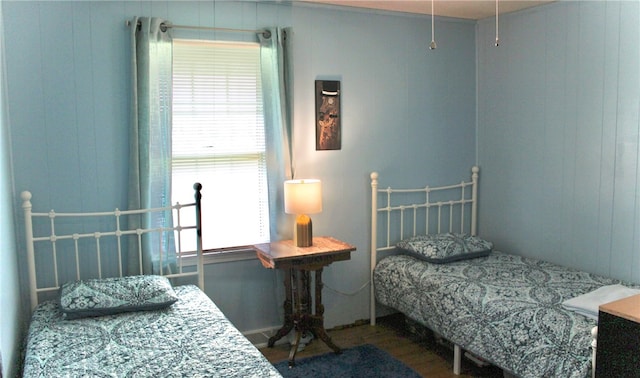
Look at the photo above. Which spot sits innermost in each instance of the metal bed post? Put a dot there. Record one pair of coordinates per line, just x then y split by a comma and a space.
26, 206
474, 199
457, 359
374, 242
198, 197
457, 350
594, 348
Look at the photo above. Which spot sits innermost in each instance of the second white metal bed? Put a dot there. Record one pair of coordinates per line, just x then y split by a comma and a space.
478, 304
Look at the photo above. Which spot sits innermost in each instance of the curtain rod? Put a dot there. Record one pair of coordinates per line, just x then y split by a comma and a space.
128, 23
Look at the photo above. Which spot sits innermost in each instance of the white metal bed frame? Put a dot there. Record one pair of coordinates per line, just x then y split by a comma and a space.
467, 204
462, 202
118, 233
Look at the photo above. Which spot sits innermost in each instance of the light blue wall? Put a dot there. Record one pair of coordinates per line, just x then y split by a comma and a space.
558, 133
11, 316
408, 113
557, 127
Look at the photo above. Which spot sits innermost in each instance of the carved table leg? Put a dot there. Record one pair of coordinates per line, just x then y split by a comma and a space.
294, 349
302, 307
288, 311
305, 292
318, 324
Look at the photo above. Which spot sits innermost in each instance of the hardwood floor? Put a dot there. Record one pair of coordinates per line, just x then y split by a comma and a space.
422, 353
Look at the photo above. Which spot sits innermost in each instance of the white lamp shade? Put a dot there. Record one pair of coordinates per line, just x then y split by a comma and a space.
302, 196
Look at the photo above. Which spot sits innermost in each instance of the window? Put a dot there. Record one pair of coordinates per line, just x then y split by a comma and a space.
219, 139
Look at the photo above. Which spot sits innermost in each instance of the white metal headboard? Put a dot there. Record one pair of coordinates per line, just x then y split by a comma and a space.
409, 212
116, 219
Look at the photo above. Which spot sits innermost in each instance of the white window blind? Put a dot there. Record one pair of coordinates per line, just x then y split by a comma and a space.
219, 139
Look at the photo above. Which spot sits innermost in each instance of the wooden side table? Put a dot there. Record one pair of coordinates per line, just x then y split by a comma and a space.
298, 262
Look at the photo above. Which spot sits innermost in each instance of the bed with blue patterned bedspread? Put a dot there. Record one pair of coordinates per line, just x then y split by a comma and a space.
504, 308
191, 338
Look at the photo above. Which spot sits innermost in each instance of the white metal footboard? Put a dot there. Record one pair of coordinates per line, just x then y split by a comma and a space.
117, 219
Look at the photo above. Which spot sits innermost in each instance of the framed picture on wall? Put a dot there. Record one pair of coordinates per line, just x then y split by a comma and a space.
328, 132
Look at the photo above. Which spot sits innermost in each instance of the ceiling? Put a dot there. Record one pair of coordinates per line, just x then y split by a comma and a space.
469, 9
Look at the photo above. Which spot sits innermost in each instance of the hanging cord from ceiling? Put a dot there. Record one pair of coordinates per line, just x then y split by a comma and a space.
497, 30
432, 45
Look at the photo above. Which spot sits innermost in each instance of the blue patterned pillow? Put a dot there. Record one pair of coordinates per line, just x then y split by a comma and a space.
107, 296
444, 248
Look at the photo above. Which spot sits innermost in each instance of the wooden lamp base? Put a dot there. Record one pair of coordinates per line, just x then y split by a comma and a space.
303, 235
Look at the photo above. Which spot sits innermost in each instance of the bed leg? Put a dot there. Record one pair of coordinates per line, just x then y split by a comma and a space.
457, 359
594, 346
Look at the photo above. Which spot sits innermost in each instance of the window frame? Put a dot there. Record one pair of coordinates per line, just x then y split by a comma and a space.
231, 253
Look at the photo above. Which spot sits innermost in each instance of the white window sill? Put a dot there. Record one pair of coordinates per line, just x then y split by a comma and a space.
223, 256
229, 256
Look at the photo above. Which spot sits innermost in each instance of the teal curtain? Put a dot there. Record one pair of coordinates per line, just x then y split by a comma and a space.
276, 67
150, 143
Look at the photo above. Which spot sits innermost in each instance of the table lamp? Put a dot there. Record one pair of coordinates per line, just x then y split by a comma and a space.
302, 197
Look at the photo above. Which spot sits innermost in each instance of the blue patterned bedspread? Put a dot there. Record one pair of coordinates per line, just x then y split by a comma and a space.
192, 338
503, 308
